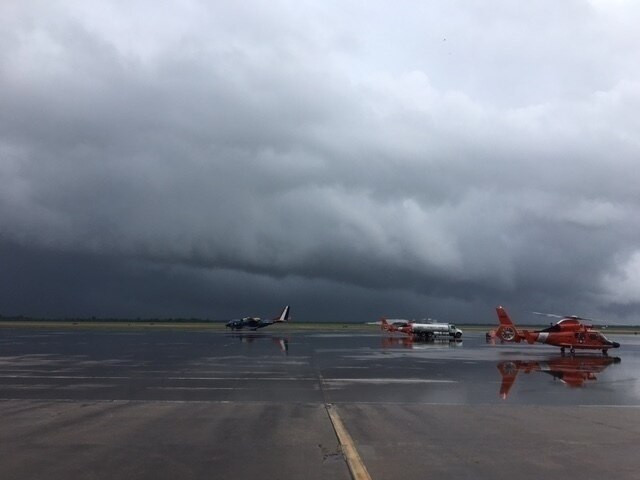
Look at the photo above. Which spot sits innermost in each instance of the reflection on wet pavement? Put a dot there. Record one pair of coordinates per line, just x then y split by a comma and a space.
295, 366
281, 342
411, 343
573, 371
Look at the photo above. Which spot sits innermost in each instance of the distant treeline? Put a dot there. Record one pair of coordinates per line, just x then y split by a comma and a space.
22, 318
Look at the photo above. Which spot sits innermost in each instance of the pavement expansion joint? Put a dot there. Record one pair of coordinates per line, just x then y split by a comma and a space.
356, 465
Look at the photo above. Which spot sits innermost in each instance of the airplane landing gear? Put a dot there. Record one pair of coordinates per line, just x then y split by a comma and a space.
572, 351
605, 352
561, 350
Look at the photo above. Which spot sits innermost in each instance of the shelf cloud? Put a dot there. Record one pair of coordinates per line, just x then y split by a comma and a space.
351, 160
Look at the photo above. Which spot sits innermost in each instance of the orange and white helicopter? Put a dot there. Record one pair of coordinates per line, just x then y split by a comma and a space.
567, 333
572, 371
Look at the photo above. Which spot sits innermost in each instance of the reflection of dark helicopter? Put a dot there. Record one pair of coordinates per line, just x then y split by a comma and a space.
572, 371
283, 343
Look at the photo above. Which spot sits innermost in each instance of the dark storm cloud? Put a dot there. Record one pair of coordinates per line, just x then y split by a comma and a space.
447, 157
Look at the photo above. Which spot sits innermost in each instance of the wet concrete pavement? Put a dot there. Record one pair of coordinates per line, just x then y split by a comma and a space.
161, 404
495, 441
166, 440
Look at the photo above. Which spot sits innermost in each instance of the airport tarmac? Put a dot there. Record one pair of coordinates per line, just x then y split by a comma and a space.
201, 404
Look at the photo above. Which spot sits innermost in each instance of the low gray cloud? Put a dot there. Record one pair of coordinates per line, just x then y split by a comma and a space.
430, 161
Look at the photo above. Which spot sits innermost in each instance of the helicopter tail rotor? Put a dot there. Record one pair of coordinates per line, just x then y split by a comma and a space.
507, 330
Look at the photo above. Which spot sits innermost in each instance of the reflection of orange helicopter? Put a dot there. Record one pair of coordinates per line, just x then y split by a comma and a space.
567, 333
283, 343
573, 371
389, 342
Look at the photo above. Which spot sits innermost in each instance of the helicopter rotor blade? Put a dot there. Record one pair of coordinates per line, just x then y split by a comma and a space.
554, 315
601, 323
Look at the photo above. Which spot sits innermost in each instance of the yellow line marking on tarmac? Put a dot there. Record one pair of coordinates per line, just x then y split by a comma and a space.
356, 466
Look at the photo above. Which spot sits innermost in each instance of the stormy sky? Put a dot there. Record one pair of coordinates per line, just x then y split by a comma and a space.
353, 159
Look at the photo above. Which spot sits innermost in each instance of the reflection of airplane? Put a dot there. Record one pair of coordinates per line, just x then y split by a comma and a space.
255, 323
423, 331
408, 342
283, 343
567, 333
573, 371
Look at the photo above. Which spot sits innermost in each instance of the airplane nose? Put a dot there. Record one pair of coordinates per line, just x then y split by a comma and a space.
616, 345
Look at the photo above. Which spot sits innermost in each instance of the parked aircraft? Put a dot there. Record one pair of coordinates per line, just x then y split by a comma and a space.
567, 333
423, 331
248, 338
572, 371
254, 323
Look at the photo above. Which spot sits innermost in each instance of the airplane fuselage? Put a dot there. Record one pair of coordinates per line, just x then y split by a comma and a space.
254, 323
248, 323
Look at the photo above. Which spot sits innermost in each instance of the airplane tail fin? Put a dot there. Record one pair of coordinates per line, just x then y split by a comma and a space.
385, 326
507, 330
284, 316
